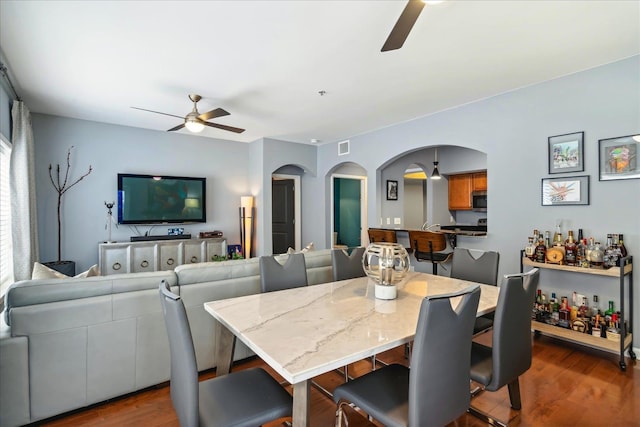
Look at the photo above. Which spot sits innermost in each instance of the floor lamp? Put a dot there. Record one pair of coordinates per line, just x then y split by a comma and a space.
247, 212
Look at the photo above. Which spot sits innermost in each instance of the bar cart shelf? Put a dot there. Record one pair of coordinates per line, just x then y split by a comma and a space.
625, 275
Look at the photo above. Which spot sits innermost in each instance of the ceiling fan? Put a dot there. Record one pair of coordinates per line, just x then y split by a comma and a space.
194, 121
404, 24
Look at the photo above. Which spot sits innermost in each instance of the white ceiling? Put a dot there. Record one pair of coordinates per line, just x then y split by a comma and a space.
266, 61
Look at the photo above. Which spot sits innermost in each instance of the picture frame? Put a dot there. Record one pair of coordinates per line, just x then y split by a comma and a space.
570, 190
618, 158
392, 190
566, 153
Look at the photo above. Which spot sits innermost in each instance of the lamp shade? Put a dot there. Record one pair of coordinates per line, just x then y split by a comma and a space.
193, 123
435, 174
247, 203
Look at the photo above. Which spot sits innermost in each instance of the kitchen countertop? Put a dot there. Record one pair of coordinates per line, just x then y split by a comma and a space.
458, 230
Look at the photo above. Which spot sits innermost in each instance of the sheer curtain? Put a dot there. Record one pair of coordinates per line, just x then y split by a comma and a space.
24, 227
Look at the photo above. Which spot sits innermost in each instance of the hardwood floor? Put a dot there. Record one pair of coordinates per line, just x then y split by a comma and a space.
566, 386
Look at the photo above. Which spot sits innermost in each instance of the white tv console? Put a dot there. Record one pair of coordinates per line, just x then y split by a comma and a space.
157, 255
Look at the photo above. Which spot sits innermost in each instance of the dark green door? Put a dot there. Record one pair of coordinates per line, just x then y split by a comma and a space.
346, 212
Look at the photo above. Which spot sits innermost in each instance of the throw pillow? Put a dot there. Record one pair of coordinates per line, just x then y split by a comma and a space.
41, 271
306, 249
91, 272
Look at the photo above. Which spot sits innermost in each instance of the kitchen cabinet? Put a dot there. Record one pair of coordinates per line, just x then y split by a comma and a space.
156, 255
624, 341
479, 181
461, 186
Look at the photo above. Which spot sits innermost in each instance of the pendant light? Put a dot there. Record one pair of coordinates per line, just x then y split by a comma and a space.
435, 174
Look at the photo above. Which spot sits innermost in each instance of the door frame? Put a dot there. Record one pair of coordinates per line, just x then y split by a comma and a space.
297, 208
364, 236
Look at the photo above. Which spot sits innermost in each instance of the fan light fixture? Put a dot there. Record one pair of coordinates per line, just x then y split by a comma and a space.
192, 123
435, 174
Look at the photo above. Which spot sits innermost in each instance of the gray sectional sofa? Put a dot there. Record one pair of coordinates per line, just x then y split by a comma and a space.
70, 343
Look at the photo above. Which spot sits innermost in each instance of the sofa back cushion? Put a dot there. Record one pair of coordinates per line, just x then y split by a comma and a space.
318, 269
43, 291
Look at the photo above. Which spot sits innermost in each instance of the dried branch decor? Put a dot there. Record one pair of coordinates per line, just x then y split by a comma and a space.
62, 186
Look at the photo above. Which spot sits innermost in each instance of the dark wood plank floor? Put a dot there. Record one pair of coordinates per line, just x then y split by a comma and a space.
566, 386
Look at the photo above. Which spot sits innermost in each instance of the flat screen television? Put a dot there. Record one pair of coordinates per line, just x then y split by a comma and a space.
158, 199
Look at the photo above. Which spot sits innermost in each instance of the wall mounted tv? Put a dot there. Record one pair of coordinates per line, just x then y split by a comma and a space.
157, 199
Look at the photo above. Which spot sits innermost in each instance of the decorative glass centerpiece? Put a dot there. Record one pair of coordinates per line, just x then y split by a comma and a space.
386, 263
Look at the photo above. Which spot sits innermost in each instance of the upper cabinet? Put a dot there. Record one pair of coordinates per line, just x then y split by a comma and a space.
479, 181
461, 186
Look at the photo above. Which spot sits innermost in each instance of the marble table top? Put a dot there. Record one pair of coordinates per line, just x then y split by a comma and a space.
304, 332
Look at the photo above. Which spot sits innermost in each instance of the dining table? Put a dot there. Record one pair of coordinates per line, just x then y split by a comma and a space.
307, 331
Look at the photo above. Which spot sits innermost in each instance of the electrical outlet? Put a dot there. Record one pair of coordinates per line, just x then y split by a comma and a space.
388, 221
397, 221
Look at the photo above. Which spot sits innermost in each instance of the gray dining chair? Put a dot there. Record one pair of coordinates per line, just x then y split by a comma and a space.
510, 353
483, 269
435, 390
248, 398
347, 266
276, 277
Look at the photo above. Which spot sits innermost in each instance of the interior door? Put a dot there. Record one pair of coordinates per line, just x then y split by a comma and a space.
283, 215
347, 211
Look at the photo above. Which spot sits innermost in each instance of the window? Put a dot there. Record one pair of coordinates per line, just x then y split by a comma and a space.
6, 258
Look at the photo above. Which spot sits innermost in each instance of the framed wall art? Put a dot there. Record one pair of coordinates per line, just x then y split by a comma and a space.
566, 153
618, 158
392, 190
572, 190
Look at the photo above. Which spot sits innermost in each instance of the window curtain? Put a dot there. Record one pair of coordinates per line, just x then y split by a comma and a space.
24, 227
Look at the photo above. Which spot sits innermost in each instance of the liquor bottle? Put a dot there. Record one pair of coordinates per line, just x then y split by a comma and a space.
541, 250
609, 311
553, 308
530, 249
583, 310
557, 236
585, 257
564, 313
597, 256
609, 253
570, 250
589, 249
580, 236
595, 307
547, 239
623, 249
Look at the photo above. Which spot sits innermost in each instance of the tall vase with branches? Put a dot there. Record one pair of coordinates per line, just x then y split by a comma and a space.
61, 183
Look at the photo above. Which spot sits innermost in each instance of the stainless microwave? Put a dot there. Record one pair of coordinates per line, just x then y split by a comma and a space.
479, 201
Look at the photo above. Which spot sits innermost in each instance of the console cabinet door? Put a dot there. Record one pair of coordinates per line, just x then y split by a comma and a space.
217, 247
143, 258
194, 252
170, 255
115, 260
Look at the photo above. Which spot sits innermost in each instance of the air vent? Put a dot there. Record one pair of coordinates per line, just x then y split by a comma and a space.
343, 148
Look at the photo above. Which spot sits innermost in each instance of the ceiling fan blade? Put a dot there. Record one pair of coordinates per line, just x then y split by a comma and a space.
404, 25
224, 127
180, 126
157, 112
218, 112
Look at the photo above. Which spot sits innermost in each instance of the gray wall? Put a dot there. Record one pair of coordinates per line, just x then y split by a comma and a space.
511, 129
113, 149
